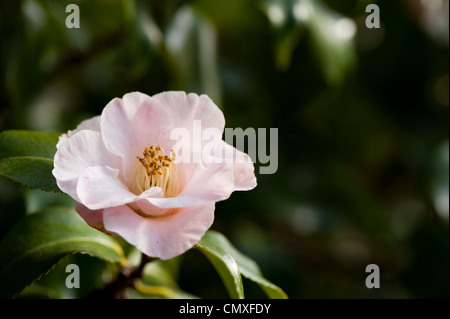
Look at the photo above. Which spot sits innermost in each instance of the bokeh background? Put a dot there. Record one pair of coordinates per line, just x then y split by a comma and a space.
362, 116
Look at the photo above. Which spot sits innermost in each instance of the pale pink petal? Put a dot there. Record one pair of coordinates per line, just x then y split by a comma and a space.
100, 187
243, 168
202, 183
138, 121
184, 109
93, 217
130, 124
161, 237
148, 208
92, 124
82, 150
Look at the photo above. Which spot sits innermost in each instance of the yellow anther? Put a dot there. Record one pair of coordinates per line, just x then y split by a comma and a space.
155, 170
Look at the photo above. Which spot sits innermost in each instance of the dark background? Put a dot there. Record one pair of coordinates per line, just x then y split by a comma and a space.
362, 117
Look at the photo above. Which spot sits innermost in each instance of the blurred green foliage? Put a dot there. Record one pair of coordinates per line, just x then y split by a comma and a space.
362, 117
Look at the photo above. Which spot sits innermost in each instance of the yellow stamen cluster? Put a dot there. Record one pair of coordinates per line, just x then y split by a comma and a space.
156, 169
155, 160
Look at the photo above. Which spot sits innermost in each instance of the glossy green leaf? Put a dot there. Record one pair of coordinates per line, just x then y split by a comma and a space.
33, 172
247, 266
40, 240
27, 157
53, 284
224, 264
28, 143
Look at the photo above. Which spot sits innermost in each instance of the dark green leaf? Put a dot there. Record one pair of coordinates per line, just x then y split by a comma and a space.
34, 172
27, 157
247, 266
40, 240
28, 143
225, 266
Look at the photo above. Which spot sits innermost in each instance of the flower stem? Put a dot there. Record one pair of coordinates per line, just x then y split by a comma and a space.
117, 288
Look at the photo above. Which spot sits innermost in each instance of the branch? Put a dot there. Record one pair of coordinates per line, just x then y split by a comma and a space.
117, 288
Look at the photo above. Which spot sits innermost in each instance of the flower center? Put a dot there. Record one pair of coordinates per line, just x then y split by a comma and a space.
155, 168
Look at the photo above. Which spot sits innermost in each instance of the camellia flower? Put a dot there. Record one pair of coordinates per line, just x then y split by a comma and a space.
122, 171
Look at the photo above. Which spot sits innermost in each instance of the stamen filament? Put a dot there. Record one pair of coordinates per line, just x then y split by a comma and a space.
156, 169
